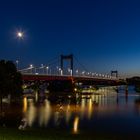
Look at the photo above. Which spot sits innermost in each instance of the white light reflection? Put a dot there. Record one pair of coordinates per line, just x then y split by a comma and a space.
83, 106
41, 116
56, 118
47, 112
31, 113
90, 108
36, 96
58, 115
44, 113
68, 114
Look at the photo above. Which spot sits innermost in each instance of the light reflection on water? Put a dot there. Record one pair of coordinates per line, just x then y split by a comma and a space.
76, 124
31, 113
101, 111
24, 104
105, 101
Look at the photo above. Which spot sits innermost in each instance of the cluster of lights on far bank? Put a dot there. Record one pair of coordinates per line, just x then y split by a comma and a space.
47, 70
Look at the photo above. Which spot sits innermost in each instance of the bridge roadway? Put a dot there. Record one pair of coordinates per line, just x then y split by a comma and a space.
74, 79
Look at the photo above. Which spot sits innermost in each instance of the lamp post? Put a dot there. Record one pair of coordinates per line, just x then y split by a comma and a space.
42, 67
17, 62
70, 72
83, 73
77, 72
31, 67
61, 71
47, 69
57, 70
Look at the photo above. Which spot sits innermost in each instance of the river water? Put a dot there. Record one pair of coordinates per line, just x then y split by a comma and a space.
104, 111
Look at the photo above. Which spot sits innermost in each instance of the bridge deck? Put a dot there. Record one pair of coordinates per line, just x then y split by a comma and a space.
33, 77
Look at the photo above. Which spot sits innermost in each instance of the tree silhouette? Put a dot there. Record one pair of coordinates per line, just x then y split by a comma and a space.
10, 80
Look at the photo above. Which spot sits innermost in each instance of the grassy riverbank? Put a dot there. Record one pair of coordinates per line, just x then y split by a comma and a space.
14, 134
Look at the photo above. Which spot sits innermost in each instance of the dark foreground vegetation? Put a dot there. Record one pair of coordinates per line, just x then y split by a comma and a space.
10, 83
10, 80
14, 134
134, 81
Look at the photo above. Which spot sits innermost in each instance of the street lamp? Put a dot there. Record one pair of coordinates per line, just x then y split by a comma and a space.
57, 70
31, 67
47, 69
17, 64
77, 72
42, 67
61, 71
83, 73
70, 72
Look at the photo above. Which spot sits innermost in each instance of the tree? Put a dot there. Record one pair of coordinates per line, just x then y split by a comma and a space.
10, 80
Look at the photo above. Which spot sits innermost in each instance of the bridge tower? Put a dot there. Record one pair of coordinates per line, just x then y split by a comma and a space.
69, 58
114, 73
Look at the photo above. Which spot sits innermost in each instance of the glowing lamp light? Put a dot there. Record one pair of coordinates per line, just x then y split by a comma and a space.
75, 89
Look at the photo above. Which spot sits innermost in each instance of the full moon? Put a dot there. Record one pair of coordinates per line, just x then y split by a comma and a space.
20, 34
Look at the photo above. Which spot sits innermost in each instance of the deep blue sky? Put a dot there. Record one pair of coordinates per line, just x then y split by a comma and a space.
102, 34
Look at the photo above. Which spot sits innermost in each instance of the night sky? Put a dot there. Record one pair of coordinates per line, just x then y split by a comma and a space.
103, 34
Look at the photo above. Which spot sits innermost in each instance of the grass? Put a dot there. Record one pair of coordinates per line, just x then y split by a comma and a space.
45, 134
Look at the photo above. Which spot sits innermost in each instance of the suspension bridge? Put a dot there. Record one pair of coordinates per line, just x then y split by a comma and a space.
58, 69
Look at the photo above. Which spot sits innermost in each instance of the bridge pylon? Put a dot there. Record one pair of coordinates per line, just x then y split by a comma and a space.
68, 58
114, 73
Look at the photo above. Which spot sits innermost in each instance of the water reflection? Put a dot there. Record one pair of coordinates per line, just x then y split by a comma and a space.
65, 110
58, 115
31, 113
90, 108
44, 113
137, 106
24, 104
103, 109
68, 113
47, 112
86, 108
76, 124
